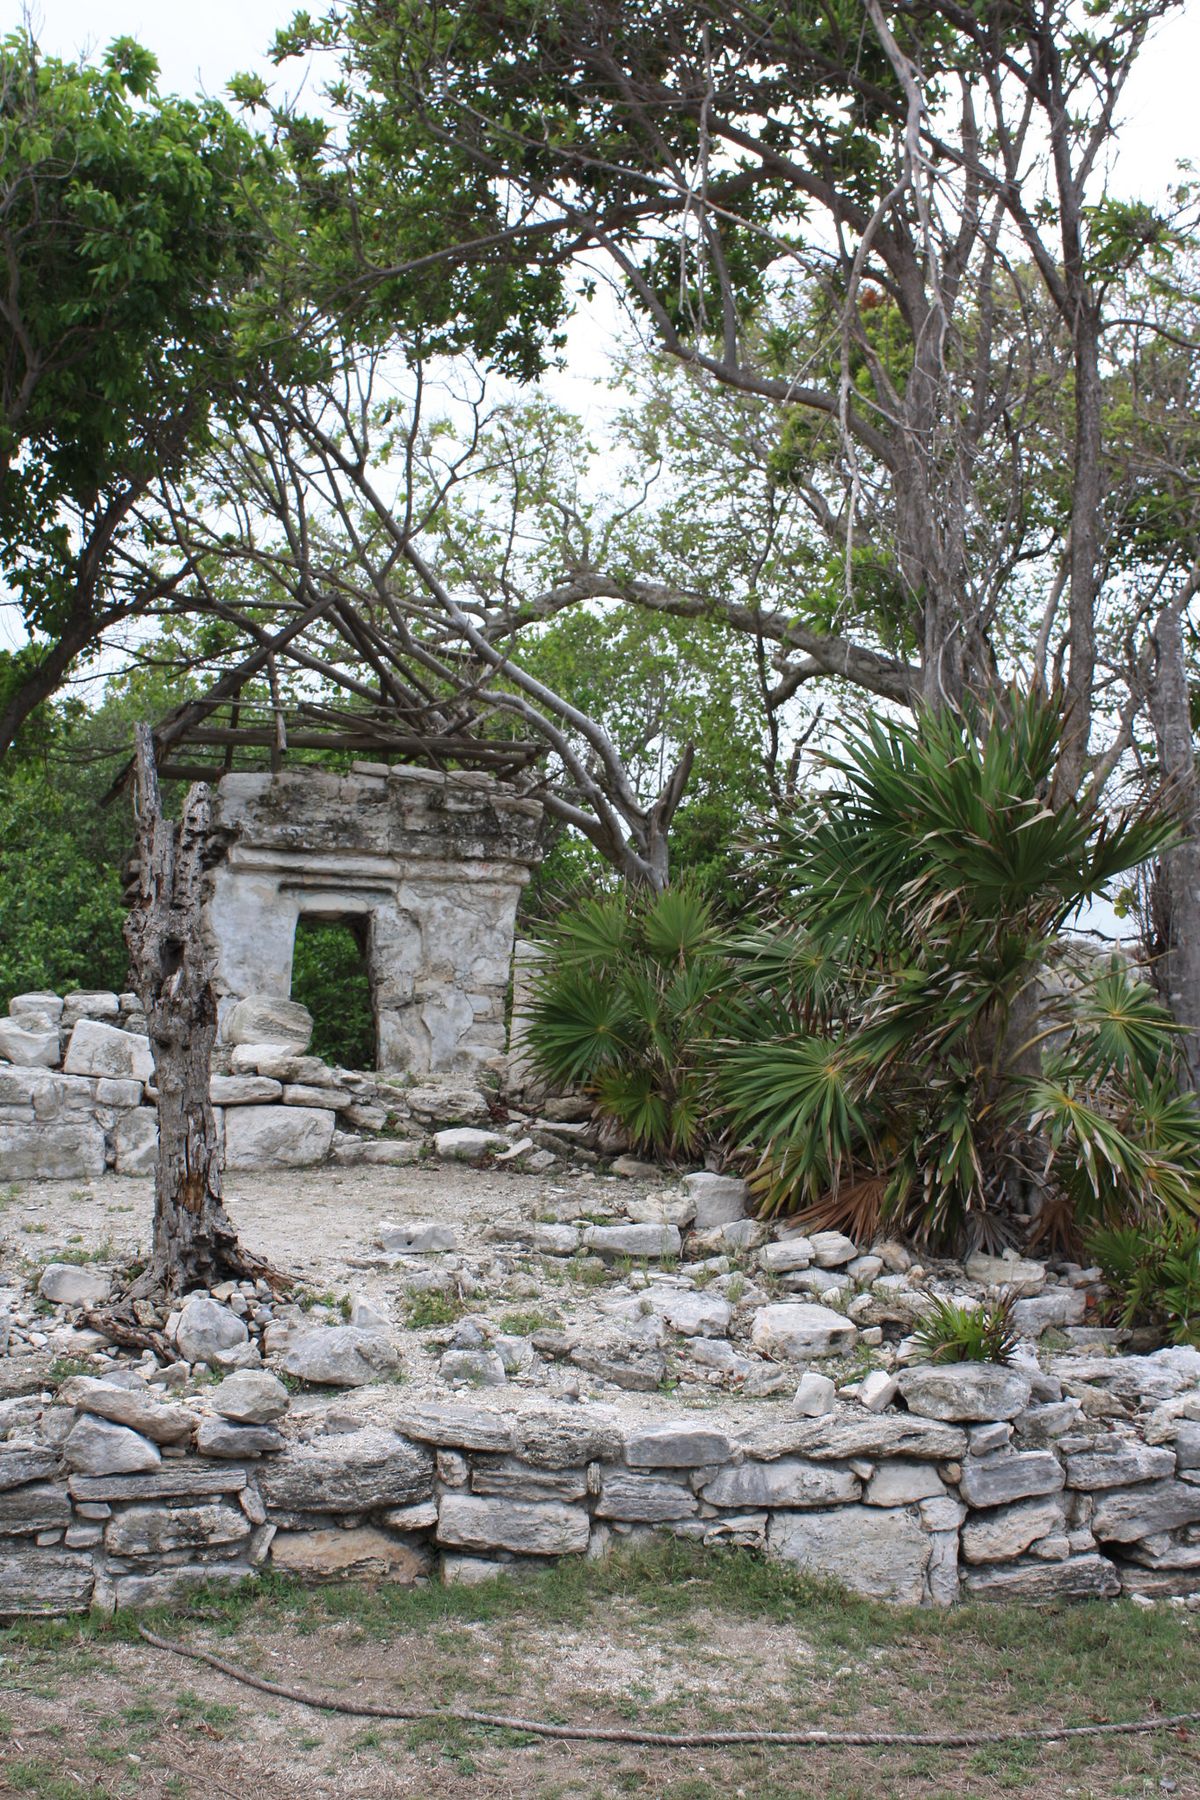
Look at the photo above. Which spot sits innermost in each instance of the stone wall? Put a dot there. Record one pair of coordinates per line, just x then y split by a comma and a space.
433, 863
112, 1495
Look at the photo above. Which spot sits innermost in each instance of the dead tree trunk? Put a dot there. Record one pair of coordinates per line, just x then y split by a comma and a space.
194, 1242
1177, 900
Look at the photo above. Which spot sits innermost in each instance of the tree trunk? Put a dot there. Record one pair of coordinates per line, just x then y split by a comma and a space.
194, 1242
1178, 882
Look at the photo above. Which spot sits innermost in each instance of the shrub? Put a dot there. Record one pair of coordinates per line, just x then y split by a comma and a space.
949, 1332
890, 1066
1155, 1275
633, 991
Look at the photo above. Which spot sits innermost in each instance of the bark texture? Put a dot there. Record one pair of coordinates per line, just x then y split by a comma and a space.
1177, 900
194, 1242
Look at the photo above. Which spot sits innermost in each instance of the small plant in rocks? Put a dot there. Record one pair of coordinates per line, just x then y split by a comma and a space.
949, 1332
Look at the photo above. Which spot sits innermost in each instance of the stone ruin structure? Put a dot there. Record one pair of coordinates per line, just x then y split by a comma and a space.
432, 865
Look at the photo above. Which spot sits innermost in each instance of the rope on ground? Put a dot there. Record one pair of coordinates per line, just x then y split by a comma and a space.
678, 1740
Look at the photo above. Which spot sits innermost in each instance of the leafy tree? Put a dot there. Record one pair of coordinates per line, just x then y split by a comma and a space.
130, 225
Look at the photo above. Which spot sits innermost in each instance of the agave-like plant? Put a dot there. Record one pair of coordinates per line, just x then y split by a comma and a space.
897, 1033
632, 993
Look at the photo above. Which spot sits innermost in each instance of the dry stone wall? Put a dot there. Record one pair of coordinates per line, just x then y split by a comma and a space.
115, 1495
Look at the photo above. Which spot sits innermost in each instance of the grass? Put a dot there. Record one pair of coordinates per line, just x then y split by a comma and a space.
430, 1307
665, 1636
524, 1324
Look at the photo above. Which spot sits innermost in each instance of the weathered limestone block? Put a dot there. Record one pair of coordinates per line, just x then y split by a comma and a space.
244, 1090
25, 1462
42, 1506
788, 1482
341, 1356
529, 1528
1049, 1311
677, 1444
89, 1003
873, 1551
52, 1152
29, 1042
1124, 1514
1087, 1577
135, 1139
217, 1437
719, 1199
633, 1240
99, 1049
1121, 1462
45, 1581
41, 1004
995, 1537
1013, 1274
267, 1019
353, 1473
174, 1480
208, 1330
250, 1397
786, 1256
514, 1480
562, 1437
96, 1447
277, 1137
73, 1284
692, 1315
643, 1499
795, 1332
361, 1554
995, 1480
165, 1587
965, 1391
902, 1484
461, 1427
874, 1435
832, 1249
156, 1530
142, 1410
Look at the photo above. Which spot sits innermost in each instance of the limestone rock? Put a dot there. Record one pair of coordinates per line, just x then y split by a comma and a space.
660, 1209
1086, 1577
52, 1151
815, 1396
795, 1332
250, 1397
515, 1480
693, 1315
1049, 1311
20, 1463
788, 1482
89, 1003
243, 1090
460, 1427
97, 1447
157, 1530
651, 1241
1010, 1273
41, 1005
785, 1256
1118, 1462
479, 1368
720, 1199
277, 1137
999, 1536
69, 1284
831, 1249
995, 1480
38, 1582
207, 1330
965, 1391
29, 1042
217, 1437
466, 1143
362, 1554
41, 1506
140, 1409
1125, 1514
678, 1444
903, 1484
356, 1472
561, 1437
99, 1049
870, 1435
878, 1389
529, 1528
411, 1237
341, 1356
871, 1550
643, 1499
135, 1139
264, 1019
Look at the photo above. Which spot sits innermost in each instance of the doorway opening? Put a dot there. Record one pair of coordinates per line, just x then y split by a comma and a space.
330, 976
